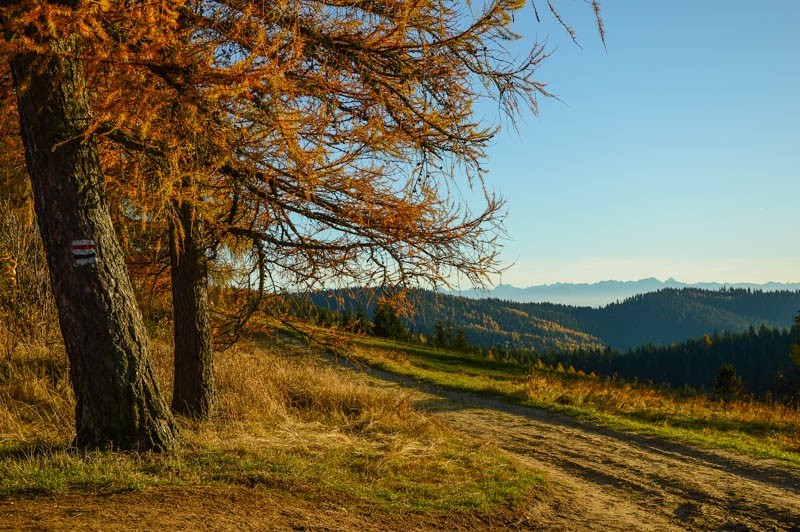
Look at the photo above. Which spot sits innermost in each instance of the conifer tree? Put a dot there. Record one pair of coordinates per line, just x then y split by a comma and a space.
795, 349
387, 324
727, 383
793, 377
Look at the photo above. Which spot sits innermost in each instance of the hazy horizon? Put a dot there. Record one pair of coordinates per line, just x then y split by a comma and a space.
604, 292
660, 280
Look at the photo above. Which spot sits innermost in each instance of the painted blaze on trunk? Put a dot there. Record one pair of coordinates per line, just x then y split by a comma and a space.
119, 404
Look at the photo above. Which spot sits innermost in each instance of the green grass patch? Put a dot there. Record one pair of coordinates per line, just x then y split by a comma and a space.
452, 477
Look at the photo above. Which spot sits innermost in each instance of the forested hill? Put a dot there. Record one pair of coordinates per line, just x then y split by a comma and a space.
485, 322
664, 317
673, 315
760, 357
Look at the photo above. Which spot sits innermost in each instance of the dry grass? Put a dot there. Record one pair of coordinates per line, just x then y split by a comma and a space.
775, 423
36, 401
286, 421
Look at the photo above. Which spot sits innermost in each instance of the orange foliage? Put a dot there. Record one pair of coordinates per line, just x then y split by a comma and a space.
322, 142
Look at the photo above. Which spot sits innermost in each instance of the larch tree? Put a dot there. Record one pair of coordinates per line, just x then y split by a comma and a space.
321, 141
314, 143
118, 403
116, 49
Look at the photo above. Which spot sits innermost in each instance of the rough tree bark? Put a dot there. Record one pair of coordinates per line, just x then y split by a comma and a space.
119, 404
194, 393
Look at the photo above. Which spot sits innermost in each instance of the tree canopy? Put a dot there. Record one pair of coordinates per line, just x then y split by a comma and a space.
302, 143
319, 139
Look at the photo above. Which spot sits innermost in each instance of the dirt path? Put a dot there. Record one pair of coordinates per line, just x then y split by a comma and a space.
600, 479
618, 481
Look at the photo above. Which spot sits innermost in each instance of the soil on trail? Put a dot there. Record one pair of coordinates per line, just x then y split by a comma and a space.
626, 482
612, 480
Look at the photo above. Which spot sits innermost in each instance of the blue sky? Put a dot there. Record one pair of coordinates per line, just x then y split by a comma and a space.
675, 153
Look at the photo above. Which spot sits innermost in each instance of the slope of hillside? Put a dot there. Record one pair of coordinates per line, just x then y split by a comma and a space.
343, 464
485, 322
673, 315
663, 317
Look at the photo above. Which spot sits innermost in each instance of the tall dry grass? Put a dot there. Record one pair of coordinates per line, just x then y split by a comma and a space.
36, 400
286, 420
260, 387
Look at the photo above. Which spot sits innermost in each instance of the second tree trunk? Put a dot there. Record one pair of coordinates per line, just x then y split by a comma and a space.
194, 393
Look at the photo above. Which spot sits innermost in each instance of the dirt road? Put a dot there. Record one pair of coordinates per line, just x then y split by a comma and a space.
610, 480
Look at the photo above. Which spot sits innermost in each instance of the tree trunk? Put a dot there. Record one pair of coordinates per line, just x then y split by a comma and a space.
119, 404
194, 393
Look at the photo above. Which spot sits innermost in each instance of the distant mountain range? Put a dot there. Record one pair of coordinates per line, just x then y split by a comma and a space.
603, 292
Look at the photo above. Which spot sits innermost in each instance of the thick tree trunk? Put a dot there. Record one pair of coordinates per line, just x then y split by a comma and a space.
118, 401
194, 392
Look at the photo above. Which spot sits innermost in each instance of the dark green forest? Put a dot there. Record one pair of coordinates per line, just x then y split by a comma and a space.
673, 315
660, 318
761, 358
677, 336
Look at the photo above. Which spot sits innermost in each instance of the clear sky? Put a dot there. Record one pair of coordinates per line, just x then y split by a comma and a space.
673, 153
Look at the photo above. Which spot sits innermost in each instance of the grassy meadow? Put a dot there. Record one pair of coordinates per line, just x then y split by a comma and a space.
287, 422
294, 426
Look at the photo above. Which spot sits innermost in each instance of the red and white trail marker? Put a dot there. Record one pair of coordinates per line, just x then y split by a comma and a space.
83, 252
